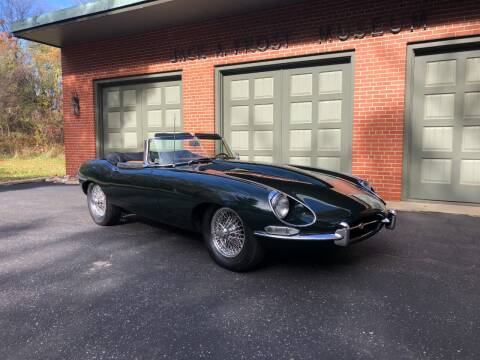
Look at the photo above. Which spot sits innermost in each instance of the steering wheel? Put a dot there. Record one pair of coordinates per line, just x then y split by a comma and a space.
222, 156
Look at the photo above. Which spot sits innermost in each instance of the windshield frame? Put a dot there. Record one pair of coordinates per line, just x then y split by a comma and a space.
212, 136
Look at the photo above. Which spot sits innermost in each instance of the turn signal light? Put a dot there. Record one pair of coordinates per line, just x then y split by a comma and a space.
281, 230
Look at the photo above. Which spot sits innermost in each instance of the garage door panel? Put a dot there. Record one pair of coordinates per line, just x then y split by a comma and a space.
300, 160
130, 119
471, 138
262, 159
263, 114
329, 162
113, 120
330, 82
301, 84
326, 113
113, 141
153, 96
134, 112
113, 98
301, 112
281, 115
120, 128
441, 72
329, 111
473, 70
300, 140
445, 138
439, 106
129, 98
172, 95
154, 118
251, 111
472, 105
162, 107
239, 89
263, 87
239, 115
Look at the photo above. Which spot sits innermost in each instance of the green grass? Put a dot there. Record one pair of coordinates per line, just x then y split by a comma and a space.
21, 168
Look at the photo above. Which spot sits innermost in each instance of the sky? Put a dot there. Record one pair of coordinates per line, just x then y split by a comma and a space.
50, 5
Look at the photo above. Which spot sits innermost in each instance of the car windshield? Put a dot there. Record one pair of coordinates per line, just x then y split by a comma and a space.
183, 149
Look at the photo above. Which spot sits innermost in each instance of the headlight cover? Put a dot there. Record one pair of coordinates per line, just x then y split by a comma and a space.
365, 184
280, 204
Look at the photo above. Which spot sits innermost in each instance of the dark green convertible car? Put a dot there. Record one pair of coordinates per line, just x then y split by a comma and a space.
193, 181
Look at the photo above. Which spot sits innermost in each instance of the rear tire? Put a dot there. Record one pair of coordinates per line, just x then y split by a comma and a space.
101, 210
229, 241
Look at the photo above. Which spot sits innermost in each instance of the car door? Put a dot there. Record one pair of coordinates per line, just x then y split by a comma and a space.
174, 195
131, 188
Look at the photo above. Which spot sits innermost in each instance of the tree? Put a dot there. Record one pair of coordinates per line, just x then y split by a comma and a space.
30, 96
14, 10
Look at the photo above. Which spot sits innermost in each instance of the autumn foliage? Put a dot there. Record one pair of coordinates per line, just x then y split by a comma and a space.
30, 97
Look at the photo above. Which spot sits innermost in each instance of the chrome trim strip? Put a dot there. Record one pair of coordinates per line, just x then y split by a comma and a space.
341, 237
365, 224
328, 236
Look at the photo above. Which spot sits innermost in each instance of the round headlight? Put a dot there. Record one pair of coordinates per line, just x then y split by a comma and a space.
280, 205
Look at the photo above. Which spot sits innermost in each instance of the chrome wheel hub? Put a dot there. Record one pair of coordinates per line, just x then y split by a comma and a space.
228, 234
98, 201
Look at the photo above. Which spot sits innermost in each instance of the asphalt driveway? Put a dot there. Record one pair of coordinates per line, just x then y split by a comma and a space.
72, 290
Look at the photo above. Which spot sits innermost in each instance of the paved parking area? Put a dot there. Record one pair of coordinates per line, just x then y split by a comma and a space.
72, 290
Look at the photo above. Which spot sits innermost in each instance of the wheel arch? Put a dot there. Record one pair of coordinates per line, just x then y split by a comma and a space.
85, 186
200, 210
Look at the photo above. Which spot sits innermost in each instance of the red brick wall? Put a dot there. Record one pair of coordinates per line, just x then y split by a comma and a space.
379, 69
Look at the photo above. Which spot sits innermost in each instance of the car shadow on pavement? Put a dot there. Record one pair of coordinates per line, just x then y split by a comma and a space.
279, 253
127, 219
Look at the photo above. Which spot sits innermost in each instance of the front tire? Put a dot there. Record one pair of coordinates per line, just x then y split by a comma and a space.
230, 243
101, 210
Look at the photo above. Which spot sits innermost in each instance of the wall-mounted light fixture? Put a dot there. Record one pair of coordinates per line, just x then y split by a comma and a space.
75, 103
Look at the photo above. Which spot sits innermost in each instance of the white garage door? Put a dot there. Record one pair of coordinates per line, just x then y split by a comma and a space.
134, 112
299, 116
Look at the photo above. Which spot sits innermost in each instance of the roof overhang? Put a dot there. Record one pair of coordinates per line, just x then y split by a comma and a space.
106, 19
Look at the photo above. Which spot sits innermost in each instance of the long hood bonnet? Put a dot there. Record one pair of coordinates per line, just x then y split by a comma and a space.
333, 195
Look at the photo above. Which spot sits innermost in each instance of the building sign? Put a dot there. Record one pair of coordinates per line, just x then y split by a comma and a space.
195, 52
394, 24
374, 27
249, 44
253, 44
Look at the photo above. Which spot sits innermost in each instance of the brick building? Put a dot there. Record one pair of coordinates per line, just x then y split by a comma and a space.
387, 90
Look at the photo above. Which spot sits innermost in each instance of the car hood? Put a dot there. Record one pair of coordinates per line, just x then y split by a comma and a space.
329, 194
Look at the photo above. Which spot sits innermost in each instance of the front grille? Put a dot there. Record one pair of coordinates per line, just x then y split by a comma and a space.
365, 226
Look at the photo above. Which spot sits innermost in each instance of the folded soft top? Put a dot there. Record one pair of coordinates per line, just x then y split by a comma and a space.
165, 157
118, 157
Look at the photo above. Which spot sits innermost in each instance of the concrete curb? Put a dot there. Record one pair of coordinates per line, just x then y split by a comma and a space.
458, 209
67, 180
54, 180
23, 181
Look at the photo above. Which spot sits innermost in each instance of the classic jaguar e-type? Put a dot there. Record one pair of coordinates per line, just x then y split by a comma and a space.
194, 181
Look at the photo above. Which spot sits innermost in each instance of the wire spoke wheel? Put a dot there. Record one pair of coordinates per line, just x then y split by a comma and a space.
98, 201
228, 233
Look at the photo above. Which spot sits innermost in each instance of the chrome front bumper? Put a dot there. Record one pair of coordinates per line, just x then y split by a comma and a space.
340, 237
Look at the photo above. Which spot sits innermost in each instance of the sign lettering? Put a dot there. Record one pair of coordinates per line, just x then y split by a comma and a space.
375, 27
378, 27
